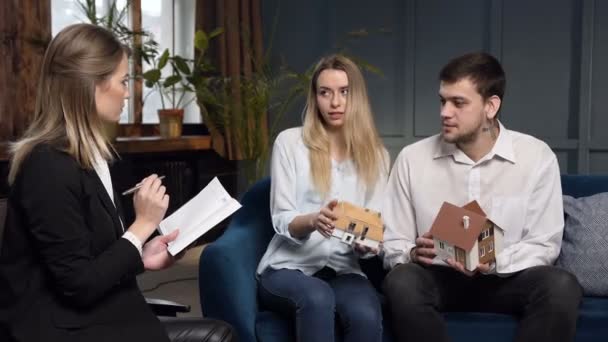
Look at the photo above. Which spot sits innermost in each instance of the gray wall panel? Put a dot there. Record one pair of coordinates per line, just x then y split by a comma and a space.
443, 29
300, 38
567, 160
598, 163
562, 159
537, 57
553, 52
376, 26
599, 92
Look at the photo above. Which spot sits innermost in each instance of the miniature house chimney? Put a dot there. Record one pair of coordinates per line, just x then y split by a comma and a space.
466, 222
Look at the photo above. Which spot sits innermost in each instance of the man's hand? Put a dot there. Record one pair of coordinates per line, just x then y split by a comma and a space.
155, 254
483, 268
424, 252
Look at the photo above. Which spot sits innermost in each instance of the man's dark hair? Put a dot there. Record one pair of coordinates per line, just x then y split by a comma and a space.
481, 68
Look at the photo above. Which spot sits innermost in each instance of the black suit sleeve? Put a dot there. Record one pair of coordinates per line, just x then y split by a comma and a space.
51, 191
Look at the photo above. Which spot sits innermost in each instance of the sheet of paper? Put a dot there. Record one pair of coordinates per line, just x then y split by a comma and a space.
203, 212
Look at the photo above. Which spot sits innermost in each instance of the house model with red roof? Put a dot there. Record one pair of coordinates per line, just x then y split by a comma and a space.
356, 224
466, 235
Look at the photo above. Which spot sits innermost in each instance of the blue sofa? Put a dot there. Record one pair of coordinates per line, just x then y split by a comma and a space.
228, 288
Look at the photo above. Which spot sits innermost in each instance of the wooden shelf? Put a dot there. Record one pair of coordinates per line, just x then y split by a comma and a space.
148, 144
159, 144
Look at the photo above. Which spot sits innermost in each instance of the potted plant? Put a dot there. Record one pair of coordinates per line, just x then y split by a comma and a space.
172, 90
186, 76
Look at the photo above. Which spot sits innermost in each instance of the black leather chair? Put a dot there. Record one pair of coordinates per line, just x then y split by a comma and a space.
179, 329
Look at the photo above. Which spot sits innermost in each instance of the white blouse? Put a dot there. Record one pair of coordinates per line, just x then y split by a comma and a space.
293, 194
103, 171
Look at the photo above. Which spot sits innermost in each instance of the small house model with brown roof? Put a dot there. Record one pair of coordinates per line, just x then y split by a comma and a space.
356, 224
466, 235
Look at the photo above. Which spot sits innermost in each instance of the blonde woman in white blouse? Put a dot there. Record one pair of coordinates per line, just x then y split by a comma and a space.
336, 155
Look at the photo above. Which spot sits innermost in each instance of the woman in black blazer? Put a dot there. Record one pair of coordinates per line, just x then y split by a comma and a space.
67, 261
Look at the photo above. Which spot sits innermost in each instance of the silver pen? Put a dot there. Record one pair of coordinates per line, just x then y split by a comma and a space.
136, 187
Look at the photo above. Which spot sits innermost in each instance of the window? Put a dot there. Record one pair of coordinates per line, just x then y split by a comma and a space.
351, 227
365, 230
484, 234
441, 245
482, 251
490, 247
171, 23
68, 12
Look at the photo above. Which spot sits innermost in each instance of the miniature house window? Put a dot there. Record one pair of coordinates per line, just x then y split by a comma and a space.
441, 245
482, 251
365, 230
490, 247
351, 227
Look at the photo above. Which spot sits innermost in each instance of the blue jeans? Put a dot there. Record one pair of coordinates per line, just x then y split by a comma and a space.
316, 303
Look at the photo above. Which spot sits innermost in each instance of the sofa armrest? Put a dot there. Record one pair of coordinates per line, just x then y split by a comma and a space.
227, 280
162, 307
227, 283
195, 329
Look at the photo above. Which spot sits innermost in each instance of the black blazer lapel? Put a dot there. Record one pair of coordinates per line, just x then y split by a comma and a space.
119, 209
102, 193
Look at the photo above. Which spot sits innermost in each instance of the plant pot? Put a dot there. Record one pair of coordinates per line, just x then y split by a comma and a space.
170, 122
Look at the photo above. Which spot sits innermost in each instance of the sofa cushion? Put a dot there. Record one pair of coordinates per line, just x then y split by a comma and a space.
592, 318
584, 250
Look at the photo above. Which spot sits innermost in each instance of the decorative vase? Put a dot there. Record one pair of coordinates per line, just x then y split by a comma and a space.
170, 122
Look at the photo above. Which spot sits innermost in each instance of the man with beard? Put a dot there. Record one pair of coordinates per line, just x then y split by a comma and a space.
516, 180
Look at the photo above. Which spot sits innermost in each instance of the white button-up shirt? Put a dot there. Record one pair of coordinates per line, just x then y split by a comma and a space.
517, 185
292, 194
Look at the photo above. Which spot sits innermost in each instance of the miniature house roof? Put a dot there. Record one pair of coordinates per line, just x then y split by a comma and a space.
449, 226
362, 217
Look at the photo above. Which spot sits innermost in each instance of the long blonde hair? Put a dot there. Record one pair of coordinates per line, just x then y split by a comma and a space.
363, 145
79, 58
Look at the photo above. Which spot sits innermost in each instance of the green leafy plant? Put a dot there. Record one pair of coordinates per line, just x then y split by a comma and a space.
173, 88
141, 42
186, 75
246, 111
